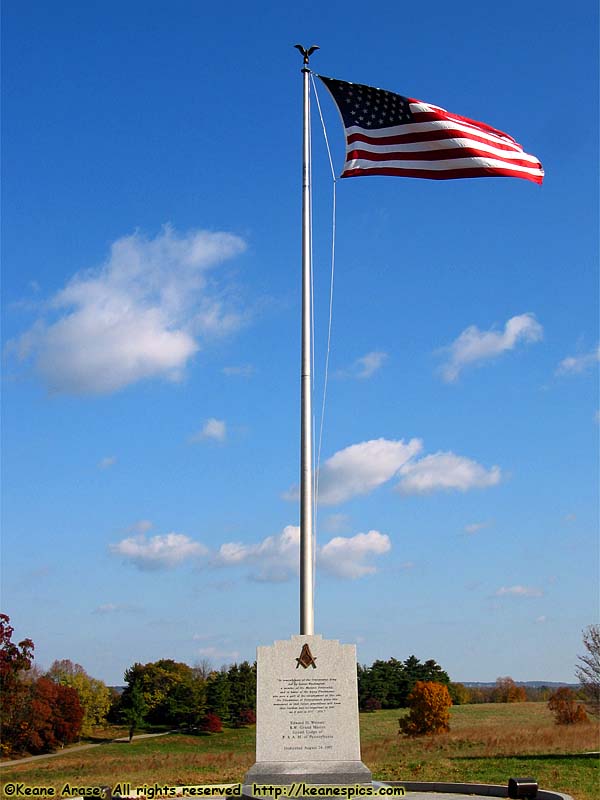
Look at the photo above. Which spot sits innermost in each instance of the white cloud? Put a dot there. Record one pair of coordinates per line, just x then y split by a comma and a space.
213, 429
158, 552
474, 347
365, 366
348, 557
445, 471
336, 523
242, 371
140, 315
141, 526
519, 591
277, 558
475, 527
217, 653
209, 637
574, 365
114, 608
541, 620
360, 468
106, 462
106, 608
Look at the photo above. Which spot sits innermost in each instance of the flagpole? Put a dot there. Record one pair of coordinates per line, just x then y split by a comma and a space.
307, 612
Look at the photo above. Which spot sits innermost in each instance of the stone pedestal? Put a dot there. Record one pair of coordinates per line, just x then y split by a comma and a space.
307, 714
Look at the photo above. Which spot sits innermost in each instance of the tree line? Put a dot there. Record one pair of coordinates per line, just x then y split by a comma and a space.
41, 711
171, 693
387, 684
44, 710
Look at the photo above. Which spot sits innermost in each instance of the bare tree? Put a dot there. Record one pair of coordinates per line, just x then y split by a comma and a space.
203, 668
588, 670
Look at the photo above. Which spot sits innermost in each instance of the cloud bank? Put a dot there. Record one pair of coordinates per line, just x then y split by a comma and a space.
277, 558
159, 552
140, 315
274, 559
362, 468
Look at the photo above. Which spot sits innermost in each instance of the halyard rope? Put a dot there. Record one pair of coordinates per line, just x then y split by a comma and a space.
333, 233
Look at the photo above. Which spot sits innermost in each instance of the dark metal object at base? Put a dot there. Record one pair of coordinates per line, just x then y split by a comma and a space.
522, 787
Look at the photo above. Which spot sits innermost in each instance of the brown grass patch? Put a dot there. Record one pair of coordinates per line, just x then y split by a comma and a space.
486, 743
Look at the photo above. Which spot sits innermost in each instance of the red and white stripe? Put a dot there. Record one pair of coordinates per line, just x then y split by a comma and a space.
437, 145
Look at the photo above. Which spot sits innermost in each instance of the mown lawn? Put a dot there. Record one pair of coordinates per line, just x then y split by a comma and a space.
486, 744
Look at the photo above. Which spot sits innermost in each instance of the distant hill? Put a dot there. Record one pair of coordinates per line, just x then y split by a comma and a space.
532, 684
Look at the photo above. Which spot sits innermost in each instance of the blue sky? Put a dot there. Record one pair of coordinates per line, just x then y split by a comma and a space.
151, 237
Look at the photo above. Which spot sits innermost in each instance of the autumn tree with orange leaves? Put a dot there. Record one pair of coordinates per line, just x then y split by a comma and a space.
429, 705
507, 691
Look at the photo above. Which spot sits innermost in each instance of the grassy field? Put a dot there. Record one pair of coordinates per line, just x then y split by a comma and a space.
487, 743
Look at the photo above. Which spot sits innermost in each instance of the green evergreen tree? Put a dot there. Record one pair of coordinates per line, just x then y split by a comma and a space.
387, 684
218, 690
243, 693
134, 708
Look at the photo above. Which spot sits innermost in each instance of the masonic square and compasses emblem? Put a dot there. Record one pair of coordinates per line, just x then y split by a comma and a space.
306, 658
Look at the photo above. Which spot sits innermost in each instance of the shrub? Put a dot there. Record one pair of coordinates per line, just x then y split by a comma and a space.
211, 723
429, 705
247, 717
565, 708
372, 704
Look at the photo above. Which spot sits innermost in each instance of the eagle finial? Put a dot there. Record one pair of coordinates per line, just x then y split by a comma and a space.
306, 53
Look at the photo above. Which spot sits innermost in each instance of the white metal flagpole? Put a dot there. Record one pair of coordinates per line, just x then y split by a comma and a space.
307, 613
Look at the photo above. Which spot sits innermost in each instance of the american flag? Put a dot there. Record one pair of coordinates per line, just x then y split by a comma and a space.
387, 134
